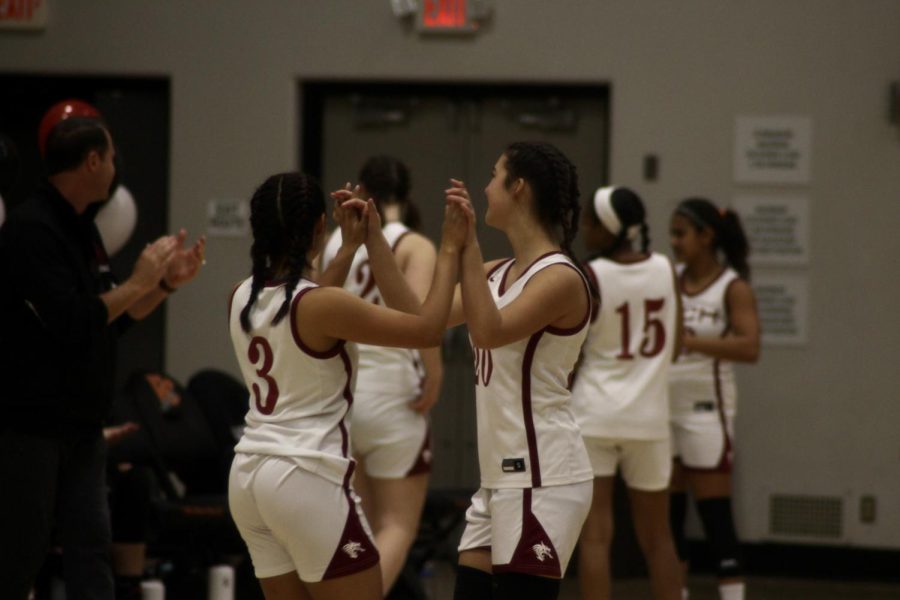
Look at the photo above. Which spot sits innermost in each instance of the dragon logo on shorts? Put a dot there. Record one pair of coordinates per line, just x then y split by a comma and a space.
352, 549
542, 551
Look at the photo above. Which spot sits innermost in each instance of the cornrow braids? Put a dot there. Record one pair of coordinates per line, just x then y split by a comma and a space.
554, 180
284, 211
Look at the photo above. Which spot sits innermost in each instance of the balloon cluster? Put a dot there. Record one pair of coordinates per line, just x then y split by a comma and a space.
118, 217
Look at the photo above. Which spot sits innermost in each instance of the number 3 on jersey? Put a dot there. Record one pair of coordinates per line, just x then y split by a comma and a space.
260, 349
654, 331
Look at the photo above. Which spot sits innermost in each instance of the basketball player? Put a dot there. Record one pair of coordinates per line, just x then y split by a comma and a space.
391, 401
527, 318
720, 327
289, 489
620, 397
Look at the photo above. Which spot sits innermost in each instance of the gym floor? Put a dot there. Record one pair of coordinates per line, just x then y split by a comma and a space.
440, 587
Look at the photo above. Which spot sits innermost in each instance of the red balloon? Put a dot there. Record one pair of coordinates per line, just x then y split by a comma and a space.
60, 112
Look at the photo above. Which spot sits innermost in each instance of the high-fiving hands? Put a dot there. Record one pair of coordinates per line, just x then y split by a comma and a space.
459, 212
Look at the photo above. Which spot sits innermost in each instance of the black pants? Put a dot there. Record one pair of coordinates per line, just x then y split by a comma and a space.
54, 490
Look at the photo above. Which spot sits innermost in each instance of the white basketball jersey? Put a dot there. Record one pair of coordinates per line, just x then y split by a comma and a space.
621, 390
527, 435
300, 399
697, 379
395, 371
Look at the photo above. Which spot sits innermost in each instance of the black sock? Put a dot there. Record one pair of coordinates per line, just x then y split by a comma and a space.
517, 586
128, 587
472, 584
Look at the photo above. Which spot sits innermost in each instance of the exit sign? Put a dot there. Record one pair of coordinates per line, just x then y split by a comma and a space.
23, 14
446, 16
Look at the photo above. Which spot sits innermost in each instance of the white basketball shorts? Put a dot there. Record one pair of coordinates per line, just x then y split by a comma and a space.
392, 440
704, 438
532, 530
295, 520
646, 464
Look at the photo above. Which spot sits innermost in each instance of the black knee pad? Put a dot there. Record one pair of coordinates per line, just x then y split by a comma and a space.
677, 515
516, 586
718, 524
472, 584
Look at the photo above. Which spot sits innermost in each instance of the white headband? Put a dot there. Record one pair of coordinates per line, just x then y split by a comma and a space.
607, 214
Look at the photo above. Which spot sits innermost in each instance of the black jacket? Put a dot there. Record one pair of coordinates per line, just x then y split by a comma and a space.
57, 352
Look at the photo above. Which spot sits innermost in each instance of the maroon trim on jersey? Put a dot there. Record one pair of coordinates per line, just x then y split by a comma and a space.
497, 266
535, 553
397, 241
423, 459
530, 434
596, 303
587, 315
725, 463
331, 353
231, 299
726, 459
348, 396
701, 290
275, 282
355, 550
534, 262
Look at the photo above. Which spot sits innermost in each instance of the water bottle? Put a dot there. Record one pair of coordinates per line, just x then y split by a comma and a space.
221, 583
153, 589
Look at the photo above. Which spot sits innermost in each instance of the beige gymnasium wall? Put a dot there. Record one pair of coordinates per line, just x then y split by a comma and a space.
818, 420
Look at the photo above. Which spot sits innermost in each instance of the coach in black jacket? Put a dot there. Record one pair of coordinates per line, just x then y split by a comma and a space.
60, 313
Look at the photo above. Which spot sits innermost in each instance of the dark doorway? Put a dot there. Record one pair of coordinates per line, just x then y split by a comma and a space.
442, 131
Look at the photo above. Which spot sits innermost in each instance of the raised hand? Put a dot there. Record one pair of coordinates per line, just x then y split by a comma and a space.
154, 261
349, 213
458, 195
455, 233
185, 262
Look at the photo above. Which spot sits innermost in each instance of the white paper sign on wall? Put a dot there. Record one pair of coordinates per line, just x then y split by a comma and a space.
773, 149
782, 301
228, 218
777, 227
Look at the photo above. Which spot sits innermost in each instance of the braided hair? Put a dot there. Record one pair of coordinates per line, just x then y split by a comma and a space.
284, 211
554, 182
728, 233
387, 180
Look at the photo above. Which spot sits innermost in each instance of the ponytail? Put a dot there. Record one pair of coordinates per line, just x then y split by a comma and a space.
729, 236
734, 243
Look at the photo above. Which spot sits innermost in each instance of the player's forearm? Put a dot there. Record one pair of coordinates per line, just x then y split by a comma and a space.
436, 309
482, 316
339, 267
390, 280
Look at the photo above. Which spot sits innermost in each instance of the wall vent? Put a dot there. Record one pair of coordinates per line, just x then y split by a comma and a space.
806, 516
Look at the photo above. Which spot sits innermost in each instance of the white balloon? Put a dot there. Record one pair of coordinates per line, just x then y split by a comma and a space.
116, 220
2, 211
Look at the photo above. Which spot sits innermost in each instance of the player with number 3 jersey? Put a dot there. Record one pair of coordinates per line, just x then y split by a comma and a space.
290, 488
